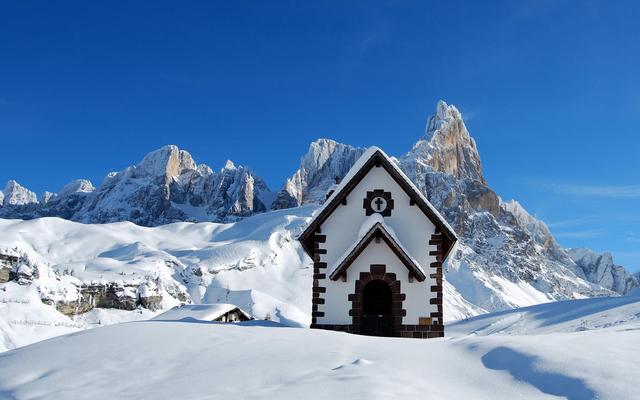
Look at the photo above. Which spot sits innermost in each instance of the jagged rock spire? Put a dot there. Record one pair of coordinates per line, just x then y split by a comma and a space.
447, 146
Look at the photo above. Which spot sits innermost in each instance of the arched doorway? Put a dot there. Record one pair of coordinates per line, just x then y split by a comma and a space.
377, 317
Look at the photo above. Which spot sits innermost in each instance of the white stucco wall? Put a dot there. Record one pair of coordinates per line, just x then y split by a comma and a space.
412, 228
337, 304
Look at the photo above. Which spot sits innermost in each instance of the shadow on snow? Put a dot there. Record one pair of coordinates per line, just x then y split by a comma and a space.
523, 368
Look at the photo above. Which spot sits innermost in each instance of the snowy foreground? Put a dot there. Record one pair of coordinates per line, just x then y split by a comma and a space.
580, 349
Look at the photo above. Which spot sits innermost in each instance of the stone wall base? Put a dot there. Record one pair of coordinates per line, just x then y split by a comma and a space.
406, 331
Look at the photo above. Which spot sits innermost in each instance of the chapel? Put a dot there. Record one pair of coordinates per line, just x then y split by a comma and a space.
378, 247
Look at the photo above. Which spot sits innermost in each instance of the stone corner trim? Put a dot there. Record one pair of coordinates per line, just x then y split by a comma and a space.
436, 273
319, 269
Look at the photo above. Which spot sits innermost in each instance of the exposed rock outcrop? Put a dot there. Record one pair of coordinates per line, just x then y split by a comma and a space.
325, 160
599, 268
118, 295
446, 147
7, 264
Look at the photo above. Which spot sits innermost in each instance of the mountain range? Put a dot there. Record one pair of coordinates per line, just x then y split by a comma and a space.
505, 257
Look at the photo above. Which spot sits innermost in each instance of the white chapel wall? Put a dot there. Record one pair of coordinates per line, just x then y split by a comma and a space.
413, 230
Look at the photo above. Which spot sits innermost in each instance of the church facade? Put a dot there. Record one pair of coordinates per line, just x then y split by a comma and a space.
378, 247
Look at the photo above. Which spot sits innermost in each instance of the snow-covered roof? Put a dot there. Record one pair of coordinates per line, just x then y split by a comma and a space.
357, 166
201, 312
372, 226
345, 186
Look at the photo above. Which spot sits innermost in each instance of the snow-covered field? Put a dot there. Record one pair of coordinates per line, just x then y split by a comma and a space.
580, 349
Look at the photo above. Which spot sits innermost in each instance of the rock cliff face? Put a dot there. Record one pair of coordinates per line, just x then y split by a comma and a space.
325, 160
599, 268
446, 147
166, 186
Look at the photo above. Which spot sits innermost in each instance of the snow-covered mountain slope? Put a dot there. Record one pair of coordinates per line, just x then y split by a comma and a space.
258, 359
61, 272
616, 313
166, 186
73, 268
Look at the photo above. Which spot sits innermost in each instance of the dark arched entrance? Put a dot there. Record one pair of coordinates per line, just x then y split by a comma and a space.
377, 317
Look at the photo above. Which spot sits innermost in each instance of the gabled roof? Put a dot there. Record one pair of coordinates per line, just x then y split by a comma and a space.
374, 157
200, 312
380, 231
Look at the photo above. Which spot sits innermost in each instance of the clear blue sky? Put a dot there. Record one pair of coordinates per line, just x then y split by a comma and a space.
550, 90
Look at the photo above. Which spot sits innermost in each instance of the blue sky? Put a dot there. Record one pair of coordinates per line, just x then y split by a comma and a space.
549, 89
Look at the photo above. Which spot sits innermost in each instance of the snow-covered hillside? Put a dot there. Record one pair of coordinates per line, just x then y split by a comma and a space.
618, 313
67, 273
258, 359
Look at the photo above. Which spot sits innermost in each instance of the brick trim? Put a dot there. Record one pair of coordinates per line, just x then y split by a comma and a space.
319, 267
377, 272
377, 232
436, 290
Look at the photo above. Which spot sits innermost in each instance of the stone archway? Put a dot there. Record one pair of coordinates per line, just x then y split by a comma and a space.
390, 305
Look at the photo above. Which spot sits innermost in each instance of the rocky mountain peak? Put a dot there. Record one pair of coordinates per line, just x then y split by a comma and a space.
519, 212
229, 165
444, 114
15, 194
447, 146
167, 161
47, 197
325, 160
76, 186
